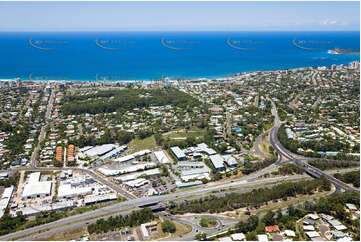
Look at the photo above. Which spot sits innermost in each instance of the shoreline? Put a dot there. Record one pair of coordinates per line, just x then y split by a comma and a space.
169, 79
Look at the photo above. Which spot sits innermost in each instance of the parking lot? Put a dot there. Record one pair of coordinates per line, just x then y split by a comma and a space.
157, 185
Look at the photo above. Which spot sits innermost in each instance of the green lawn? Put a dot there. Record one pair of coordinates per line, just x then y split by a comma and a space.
141, 144
183, 134
206, 222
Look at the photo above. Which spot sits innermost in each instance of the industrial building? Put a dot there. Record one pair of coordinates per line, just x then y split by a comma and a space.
189, 165
142, 152
34, 177
137, 182
114, 152
204, 148
36, 188
79, 180
132, 156
217, 162
180, 184
179, 154
100, 150
68, 191
136, 175
125, 169
230, 161
196, 173
38, 208
91, 199
161, 157
5, 198
125, 158
199, 149
152, 226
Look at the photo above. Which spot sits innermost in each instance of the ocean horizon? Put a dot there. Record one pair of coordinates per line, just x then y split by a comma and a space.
145, 55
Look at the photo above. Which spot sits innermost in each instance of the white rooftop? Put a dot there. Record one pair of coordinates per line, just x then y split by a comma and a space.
313, 216
313, 234
125, 169
262, 237
178, 152
290, 233
225, 239
34, 177
37, 188
217, 161
308, 227
161, 157
238, 236
137, 182
230, 160
125, 158
135, 175
66, 190
100, 150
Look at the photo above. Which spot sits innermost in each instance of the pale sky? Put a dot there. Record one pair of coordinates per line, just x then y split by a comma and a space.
177, 16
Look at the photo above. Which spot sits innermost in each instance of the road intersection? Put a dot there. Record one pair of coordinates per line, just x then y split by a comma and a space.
133, 203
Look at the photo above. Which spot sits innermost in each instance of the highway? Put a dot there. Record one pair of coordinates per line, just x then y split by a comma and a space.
245, 184
284, 153
241, 182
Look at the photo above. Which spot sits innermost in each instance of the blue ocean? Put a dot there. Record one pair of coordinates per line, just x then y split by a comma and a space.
116, 56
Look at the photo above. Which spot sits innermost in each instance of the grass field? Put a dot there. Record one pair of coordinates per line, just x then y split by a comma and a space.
141, 144
208, 222
183, 134
181, 229
265, 146
67, 235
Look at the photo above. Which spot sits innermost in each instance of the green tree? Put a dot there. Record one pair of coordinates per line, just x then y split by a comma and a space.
168, 226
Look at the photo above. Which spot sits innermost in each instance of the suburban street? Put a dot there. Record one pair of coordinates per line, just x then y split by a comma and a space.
247, 183
33, 159
284, 153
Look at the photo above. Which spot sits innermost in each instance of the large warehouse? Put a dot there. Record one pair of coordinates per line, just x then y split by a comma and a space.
100, 150
217, 162
178, 153
68, 191
37, 189
161, 157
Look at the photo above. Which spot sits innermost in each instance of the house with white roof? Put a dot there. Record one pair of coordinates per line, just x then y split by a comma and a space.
238, 236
